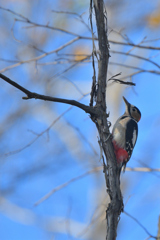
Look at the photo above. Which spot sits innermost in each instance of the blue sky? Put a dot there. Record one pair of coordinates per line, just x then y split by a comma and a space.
65, 151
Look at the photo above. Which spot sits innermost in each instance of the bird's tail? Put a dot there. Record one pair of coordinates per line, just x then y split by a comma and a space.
121, 167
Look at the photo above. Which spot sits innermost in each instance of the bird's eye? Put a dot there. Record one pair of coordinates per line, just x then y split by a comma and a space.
133, 109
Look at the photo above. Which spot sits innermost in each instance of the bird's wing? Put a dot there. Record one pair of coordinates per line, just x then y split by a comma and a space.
131, 136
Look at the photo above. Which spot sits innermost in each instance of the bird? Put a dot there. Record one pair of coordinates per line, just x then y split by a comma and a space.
125, 133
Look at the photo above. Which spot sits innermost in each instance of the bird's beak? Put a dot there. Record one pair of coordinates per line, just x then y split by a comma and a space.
126, 102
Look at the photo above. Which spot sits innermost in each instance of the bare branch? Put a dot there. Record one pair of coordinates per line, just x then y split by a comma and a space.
26, 20
39, 135
142, 169
41, 56
30, 95
136, 68
136, 56
120, 81
66, 184
145, 229
66, 12
46, 26
134, 45
84, 138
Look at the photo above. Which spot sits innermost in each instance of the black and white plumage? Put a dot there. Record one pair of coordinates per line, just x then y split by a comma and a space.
125, 133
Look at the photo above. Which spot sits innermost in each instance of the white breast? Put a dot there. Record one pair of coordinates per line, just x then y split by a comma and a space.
119, 137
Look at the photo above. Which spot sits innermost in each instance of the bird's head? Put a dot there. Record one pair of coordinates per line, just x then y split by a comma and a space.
132, 111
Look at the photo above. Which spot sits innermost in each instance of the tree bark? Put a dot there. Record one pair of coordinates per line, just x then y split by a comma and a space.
115, 206
158, 235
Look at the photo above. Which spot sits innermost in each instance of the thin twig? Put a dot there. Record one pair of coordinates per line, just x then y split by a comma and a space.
136, 56
134, 45
136, 68
140, 224
41, 56
83, 137
96, 169
142, 169
40, 134
122, 82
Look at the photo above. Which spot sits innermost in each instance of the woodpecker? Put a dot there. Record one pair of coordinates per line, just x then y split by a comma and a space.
125, 132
